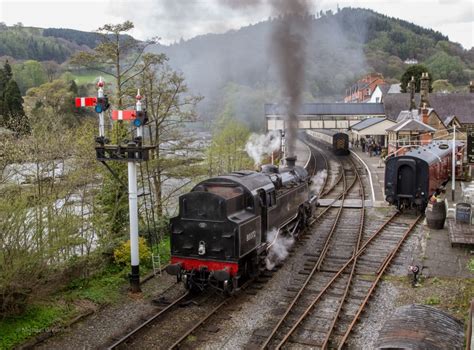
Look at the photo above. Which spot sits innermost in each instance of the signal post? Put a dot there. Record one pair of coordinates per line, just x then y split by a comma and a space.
132, 152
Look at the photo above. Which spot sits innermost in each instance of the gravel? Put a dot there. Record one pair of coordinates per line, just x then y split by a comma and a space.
97, 330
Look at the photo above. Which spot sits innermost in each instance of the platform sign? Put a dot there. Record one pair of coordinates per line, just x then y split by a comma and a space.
470, 147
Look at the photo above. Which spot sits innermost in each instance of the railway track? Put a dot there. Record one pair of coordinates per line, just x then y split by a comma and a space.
322, 311
342, 268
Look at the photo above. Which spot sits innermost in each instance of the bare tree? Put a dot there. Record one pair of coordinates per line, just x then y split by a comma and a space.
117, 55
169, 108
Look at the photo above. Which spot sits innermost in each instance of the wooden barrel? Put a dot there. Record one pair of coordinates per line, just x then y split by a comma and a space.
436, 215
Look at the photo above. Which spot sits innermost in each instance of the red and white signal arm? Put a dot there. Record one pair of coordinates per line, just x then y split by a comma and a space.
124, 115
86, 101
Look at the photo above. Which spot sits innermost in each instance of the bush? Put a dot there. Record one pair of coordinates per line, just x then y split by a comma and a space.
122, 253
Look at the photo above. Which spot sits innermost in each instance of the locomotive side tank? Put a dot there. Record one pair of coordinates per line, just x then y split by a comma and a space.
220, 234
338, 141
411, 179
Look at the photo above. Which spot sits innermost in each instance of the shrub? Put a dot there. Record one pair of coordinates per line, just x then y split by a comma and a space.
122, 253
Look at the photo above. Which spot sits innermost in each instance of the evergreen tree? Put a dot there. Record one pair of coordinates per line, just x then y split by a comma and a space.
3, 85
15, 116
7, 69
414, 71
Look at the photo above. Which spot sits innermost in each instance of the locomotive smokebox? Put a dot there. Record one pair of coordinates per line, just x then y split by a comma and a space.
291, 161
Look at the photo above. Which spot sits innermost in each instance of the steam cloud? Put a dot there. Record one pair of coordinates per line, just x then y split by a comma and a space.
259, 146
279, 248
317, 181
289, 40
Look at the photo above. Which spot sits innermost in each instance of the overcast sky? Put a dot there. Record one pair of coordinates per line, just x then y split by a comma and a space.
174, 19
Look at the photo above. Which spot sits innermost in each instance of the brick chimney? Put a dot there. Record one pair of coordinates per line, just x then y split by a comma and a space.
471, 87
424, 114
411, 90
424, 89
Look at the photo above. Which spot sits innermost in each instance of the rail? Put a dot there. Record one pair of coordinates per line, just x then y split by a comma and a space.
130, 334
318, 263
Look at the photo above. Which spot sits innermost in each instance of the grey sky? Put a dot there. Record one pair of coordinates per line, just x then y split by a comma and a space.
175, 19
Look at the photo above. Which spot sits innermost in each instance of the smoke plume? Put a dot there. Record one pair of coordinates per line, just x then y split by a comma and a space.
289, 44
317, 181
279, 248
259, 146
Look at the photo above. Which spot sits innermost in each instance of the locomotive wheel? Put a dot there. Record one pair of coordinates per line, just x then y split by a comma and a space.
228, 287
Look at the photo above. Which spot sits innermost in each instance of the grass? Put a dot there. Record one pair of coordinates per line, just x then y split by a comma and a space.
452, 295
432, 300
106, 287
36, 319
90, 77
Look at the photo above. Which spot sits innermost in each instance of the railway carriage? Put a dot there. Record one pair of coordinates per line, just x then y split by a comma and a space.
219, 237
411, 179
339, 141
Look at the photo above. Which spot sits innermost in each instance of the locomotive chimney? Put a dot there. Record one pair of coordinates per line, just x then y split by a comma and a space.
291, 161
471, 87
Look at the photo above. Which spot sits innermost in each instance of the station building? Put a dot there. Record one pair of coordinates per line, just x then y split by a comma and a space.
340, 116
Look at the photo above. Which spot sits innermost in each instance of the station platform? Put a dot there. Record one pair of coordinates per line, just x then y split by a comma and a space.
376, 177
303, 153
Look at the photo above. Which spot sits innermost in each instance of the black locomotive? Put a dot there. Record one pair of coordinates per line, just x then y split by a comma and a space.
338, 141
411, 178
220, 237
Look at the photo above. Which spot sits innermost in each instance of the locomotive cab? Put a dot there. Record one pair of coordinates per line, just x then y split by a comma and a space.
217, 225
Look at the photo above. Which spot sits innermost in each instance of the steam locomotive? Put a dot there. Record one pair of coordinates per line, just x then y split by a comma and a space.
411, 179
220, 236
339, 141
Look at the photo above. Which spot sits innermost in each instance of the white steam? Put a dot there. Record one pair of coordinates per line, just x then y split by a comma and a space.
259, 146
279, 247
317, 181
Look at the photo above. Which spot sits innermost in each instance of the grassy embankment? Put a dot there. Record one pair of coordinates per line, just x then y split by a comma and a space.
79, 297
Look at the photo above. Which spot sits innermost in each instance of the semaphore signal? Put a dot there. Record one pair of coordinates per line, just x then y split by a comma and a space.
134, 151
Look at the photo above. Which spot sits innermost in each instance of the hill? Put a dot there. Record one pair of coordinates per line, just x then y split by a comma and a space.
236, 69
50, 44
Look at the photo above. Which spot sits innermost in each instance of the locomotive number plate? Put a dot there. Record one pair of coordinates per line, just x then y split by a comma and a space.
251, 235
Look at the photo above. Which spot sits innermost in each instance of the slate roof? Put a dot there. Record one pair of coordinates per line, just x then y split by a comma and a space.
329, 109
394, 89
448, 120
411, 125
367, 123
384, 88
459, 104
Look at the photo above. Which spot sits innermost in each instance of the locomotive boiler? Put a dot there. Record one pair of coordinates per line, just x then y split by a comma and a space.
219, 238
411, 179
